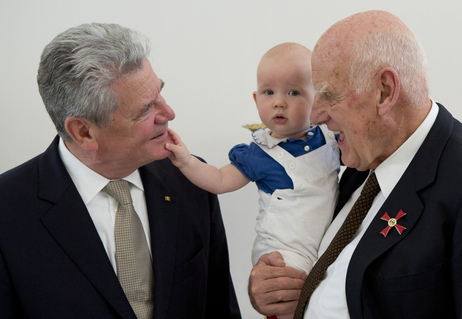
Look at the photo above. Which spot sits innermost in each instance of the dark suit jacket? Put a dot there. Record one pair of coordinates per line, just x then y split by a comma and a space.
53, 263
417, 274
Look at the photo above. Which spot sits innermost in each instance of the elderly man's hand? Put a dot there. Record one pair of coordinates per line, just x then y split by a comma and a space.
273, 288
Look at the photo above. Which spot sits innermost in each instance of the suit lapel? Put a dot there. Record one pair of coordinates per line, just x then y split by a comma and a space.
71, 226
373, 244
162, 205
420, 173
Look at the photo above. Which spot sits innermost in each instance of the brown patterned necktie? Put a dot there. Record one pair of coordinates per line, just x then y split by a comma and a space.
341, 239
134, 265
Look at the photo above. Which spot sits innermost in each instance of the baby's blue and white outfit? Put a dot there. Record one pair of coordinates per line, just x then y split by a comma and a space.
297, 182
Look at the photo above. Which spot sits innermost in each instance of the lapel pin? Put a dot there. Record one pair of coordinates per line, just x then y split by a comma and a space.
167, 198
393, 222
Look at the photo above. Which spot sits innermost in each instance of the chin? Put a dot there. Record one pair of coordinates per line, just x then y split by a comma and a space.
347, 161
155, 154
160, 156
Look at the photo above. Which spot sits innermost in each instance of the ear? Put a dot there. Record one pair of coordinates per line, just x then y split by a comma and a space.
388, 84
82, 132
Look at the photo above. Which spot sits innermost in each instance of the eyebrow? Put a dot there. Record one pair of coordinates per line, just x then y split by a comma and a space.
323, 89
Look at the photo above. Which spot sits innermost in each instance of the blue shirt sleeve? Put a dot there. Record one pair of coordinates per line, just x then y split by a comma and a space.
241, 157
260, 168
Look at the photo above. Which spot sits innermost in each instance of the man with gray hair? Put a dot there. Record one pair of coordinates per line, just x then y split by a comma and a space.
102, 225
394, 248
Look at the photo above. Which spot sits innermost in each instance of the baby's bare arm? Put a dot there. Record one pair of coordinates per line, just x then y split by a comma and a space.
208, 177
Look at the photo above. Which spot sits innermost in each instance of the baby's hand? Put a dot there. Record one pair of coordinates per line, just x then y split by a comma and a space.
180, 155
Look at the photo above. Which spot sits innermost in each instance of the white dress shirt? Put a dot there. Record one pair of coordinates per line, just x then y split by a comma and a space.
328, 301
101, 206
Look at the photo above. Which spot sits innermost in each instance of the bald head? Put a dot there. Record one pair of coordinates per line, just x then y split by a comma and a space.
286, 48
288, 51
364, 43
356, 26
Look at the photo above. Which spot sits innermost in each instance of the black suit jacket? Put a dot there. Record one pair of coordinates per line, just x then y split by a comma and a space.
417, 274
54, 265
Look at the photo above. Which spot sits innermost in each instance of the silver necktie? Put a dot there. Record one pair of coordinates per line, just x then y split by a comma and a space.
134, 265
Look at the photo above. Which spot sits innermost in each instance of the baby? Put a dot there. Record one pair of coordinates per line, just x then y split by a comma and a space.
295, 166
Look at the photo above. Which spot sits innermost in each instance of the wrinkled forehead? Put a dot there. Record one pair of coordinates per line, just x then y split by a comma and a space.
330, 60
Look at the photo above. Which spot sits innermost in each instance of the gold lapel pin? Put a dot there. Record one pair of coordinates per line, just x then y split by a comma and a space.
167, 198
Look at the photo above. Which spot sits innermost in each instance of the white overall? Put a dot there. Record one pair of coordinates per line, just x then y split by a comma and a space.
293, 221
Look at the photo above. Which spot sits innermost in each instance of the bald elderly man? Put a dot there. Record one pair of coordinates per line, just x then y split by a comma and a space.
405, 260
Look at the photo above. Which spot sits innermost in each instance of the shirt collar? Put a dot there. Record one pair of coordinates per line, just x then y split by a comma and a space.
263, 136
88, 182
402, 157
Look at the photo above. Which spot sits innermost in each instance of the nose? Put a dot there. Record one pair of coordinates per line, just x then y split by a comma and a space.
319, 114
279, 102
165, 112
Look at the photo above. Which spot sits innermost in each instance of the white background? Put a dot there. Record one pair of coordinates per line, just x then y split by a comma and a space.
207, 52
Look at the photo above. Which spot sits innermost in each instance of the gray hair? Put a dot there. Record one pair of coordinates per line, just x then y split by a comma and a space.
401, 51
79, 66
